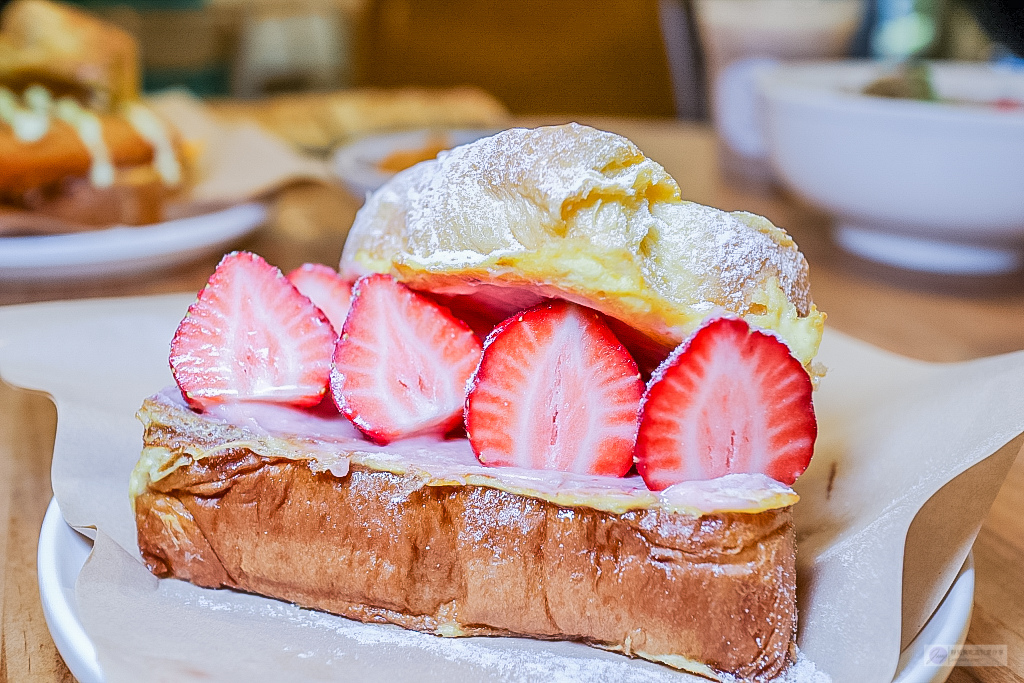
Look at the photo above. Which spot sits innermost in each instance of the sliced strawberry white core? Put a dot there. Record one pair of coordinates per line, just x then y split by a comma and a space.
729, 400
251, 336
402, 362
555, 390
328, 291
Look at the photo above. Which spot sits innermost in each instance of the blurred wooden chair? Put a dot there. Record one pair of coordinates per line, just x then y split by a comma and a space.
550, 56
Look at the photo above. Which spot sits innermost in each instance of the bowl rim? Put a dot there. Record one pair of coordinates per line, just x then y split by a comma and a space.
788, 82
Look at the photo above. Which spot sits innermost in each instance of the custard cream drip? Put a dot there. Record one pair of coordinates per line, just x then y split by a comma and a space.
90, 131
581, 214
155, 132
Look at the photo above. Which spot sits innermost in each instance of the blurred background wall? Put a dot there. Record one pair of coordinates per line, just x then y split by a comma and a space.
603, 56
624, 57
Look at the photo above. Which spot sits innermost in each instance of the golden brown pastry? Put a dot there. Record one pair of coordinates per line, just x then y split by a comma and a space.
60, 153
76, 145
69, 51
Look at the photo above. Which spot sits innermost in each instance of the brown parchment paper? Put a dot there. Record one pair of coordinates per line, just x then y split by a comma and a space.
893, 432
238, 161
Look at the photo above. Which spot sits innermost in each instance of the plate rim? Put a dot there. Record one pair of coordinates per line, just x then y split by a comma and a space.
348, 162
60, 609
123, 248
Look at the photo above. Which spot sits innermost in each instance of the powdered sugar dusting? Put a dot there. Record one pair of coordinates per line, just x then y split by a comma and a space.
803, 671
580, 214
720, 258
519, 663
508, 193
516, 663
491, 659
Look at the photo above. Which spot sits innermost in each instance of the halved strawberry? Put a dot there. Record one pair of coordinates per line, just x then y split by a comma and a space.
328, 291
402, 362
250, 336
555, 390
728, 400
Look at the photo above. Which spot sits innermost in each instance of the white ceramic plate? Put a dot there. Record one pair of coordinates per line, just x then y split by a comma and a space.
63, 551
124, 250
355, 164
945, 631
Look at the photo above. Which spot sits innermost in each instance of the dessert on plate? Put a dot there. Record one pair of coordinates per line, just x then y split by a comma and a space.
543, 397
78, 148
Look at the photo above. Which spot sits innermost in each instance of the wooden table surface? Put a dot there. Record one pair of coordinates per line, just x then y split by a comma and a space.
928, 318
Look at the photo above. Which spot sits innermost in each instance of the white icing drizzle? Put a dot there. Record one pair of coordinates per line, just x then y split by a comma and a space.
38, 99
29, 118
90, 131
29, 124
153, 130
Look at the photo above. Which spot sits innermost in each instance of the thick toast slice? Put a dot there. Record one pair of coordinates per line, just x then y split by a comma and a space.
383, 535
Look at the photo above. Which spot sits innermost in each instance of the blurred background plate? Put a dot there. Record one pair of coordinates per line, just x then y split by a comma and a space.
125, 250
368, 163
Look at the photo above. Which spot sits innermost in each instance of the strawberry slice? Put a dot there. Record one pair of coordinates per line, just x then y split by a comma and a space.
322, 285
729, 400
555, 390
250, 336
402, 362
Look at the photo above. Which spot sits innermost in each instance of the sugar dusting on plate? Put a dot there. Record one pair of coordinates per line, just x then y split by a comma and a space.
514, 660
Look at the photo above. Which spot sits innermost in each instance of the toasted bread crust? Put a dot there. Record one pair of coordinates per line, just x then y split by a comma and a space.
713, 590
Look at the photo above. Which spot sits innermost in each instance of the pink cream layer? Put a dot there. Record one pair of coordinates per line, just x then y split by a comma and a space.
451, 461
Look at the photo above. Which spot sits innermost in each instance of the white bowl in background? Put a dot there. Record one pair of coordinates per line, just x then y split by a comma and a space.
935, 186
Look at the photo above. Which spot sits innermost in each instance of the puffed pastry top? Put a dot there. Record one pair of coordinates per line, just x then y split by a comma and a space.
581, 214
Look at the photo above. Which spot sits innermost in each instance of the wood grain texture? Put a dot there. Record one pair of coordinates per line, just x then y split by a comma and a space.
26, 651
947, 320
